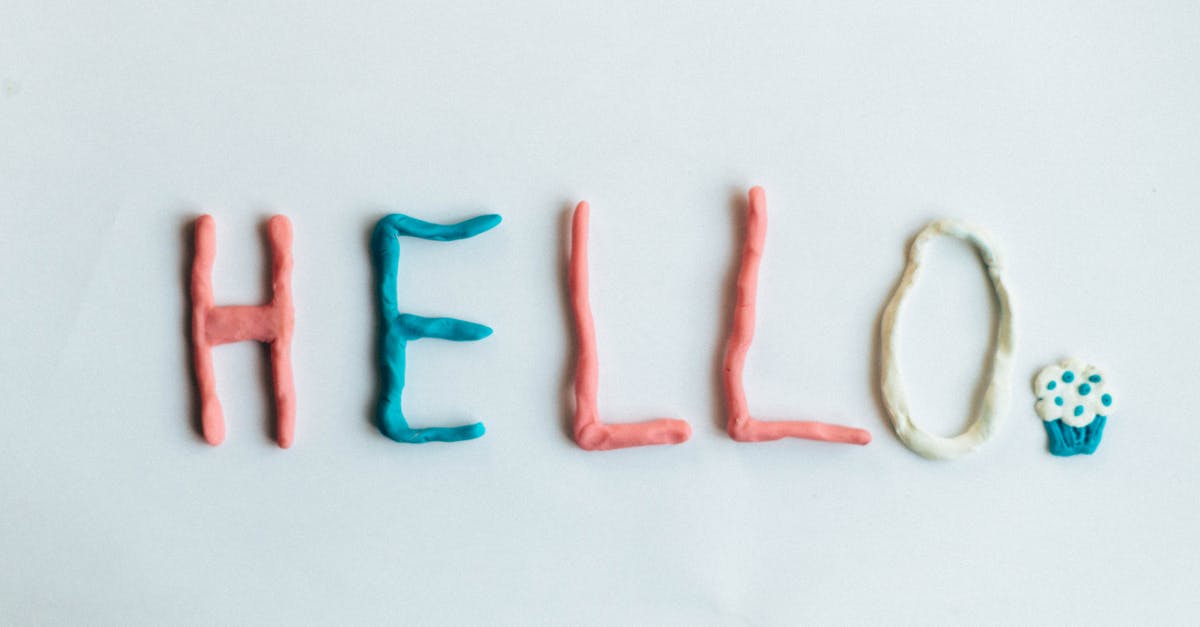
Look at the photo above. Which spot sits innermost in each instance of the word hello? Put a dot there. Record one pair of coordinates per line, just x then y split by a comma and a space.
272, 324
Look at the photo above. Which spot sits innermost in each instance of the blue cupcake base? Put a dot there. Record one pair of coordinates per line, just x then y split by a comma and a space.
1066, 440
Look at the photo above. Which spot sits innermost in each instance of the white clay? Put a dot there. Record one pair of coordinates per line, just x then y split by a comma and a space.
995, 400
1072, 391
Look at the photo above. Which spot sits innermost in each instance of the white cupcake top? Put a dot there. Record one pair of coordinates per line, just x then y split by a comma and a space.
1072, 391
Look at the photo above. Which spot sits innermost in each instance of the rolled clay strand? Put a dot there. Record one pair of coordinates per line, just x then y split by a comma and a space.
271, 324
398, 329
741, 426
995, 399
590, 433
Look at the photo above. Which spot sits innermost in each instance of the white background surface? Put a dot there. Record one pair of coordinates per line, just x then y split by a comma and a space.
1070, 130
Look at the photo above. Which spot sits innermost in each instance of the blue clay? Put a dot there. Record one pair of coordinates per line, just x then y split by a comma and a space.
1065, 440
398, 329
1082, 397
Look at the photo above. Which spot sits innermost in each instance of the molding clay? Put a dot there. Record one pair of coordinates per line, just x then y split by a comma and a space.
398, 329
742, 427
1074, 402
995, 399
590, 433
271, 324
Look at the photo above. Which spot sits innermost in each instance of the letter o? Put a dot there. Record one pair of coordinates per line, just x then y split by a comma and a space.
999, 388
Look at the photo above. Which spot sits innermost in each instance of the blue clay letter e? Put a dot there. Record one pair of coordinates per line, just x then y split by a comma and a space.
396, 329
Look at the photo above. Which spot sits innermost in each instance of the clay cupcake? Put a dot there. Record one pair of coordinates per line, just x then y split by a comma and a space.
1074, 402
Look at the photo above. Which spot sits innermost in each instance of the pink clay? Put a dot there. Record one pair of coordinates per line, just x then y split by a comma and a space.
271, 324
742, 427
590, 433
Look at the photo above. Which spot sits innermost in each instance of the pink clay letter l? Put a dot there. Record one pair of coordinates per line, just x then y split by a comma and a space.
742, 427
590, 433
